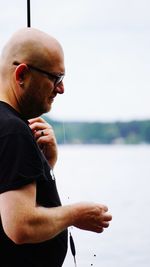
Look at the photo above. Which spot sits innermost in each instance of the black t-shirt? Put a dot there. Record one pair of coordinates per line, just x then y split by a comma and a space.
22, 162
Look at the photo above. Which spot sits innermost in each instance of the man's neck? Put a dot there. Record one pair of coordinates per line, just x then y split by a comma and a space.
7, 100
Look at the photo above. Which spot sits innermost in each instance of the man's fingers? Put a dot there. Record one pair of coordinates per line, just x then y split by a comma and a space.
105, 224
105, 208
41, 133
38, 126
38, 119
107, 217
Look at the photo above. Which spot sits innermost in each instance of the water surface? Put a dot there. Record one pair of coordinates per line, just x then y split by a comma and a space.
118, 176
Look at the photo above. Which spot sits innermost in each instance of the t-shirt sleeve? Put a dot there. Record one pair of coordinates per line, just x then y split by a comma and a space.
20, 161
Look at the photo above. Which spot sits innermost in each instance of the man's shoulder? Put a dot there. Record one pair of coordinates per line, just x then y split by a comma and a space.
15, 125
11, 122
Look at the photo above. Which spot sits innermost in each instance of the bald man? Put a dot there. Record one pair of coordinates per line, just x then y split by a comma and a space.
33, 226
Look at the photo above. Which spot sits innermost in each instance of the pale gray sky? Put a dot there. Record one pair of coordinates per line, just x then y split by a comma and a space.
107, 54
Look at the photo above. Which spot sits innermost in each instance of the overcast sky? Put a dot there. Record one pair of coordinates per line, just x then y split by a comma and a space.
107, 54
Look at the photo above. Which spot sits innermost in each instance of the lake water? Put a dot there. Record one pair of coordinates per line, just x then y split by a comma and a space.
118, 176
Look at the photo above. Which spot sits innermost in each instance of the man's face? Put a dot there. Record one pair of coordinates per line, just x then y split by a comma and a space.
41, 91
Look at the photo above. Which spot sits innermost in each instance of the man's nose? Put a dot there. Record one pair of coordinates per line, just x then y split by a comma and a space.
60, 88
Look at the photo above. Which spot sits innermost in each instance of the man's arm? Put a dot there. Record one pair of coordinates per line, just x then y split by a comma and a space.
25, 222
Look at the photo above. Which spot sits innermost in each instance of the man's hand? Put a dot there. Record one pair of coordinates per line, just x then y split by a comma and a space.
91, 216
45, 137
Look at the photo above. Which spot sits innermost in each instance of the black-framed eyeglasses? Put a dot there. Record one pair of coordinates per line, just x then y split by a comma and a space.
57, 78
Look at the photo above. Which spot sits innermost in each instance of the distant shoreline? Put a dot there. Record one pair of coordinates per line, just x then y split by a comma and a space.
126, 133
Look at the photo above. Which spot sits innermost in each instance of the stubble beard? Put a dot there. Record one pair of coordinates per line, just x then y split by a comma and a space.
31, 107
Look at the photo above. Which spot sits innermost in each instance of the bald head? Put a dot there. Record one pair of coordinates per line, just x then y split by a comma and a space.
28, 55
31, 46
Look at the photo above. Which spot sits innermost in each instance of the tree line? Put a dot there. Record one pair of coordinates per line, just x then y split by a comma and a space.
131, 132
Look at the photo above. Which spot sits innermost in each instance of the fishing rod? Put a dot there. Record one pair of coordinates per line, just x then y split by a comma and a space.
28, 14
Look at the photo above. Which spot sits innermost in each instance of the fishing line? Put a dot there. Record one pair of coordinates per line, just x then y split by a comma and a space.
71, 240
72, 244
64, 132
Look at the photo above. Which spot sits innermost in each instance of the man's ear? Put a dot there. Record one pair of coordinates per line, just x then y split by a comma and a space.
20, 73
